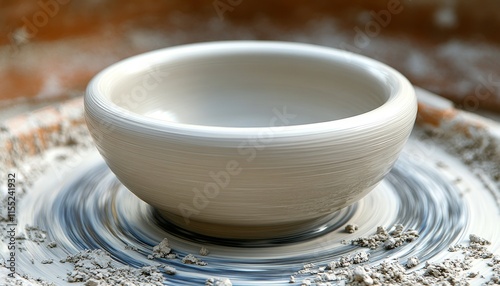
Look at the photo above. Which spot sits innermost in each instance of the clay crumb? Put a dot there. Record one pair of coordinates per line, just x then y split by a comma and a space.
94, 282
131, 247
162, 250
351, 228
218, 282
472, 274
169, 270
412, 262
204, 251
478, 240
308, 268
306, 282
191, 259
47, 261
360, 275
52, 244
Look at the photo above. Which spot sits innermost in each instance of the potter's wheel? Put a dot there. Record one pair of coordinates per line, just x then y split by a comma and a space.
81, 205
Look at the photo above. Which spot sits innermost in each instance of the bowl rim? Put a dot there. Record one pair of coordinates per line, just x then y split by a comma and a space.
401, 100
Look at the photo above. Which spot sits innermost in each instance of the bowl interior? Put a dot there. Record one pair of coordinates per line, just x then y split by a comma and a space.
225, 88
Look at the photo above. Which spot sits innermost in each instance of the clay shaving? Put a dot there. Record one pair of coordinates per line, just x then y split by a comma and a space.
94, 267
348, 271
388, 240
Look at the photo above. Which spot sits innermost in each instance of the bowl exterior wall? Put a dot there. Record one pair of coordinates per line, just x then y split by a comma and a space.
261, 180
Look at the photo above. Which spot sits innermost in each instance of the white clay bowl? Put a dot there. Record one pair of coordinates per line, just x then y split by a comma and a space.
249, 139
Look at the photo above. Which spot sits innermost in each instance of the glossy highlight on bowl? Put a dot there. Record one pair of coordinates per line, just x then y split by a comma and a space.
249, 139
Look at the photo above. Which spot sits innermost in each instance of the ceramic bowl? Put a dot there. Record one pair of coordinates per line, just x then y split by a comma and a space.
247, 138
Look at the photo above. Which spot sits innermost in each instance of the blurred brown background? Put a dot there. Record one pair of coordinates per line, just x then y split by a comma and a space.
49, 49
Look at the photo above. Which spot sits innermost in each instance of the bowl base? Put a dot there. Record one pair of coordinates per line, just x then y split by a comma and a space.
234, 234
